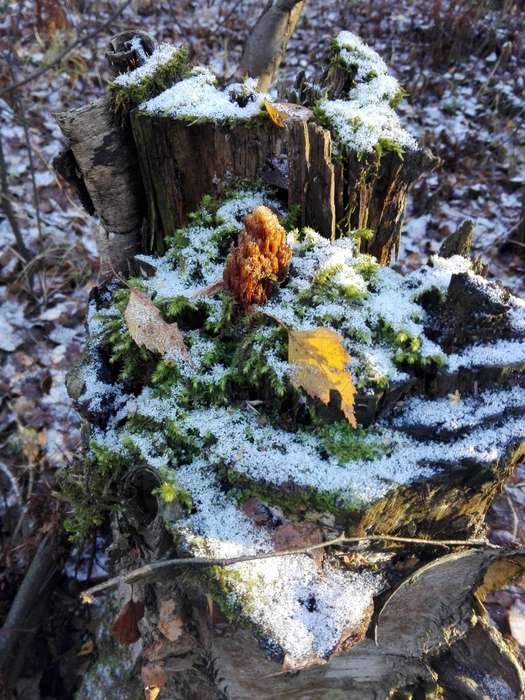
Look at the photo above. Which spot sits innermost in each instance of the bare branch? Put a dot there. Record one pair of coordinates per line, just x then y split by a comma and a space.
266, 44
157, 569
7, 206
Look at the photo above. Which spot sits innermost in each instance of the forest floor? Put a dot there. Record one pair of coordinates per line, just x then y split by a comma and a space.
463, 67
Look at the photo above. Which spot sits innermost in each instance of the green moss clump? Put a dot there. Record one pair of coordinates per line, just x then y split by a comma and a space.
347, 443
125, 97
92, 487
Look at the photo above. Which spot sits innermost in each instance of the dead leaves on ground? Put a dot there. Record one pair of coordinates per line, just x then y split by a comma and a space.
321, 367
149, 330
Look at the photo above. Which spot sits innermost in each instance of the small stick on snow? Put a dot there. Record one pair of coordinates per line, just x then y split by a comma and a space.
158, 568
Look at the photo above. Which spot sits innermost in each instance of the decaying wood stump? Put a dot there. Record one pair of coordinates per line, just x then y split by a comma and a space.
169, 151
216, 450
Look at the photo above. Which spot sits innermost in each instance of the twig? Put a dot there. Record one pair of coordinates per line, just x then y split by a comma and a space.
31, 591
156, 568
68, 49
7, 206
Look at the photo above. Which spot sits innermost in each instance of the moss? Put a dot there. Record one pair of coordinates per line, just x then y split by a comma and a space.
292, 500
170, 492
348, 444
91, 487
125, 97
384, 146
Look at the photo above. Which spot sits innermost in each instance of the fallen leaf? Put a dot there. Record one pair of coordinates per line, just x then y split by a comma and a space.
153, 676
276, 115
86, 648
86, 598
148, 329
296, 535
211, 289
124, 627
321, 367
151, 692
170, 622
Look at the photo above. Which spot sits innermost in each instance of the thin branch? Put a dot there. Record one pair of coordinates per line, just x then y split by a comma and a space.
158, 568
7, 206
81, 39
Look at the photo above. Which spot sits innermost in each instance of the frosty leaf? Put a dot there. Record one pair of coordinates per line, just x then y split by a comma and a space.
148, 329
321, 367
276, 115
124, 626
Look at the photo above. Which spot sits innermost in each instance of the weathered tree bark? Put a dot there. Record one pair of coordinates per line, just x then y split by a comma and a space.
337, 193
266, 44
106, 157
169, 151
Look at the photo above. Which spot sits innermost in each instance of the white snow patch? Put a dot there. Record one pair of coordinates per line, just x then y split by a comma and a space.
199, 98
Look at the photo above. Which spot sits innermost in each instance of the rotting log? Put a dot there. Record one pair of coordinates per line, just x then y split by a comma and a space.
340, 192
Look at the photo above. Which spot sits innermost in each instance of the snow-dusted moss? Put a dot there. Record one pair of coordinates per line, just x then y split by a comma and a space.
231, 425
166, 66
197, 98
364, 119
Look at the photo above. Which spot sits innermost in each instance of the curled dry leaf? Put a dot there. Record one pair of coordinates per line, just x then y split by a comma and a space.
276, 115
321, 366
148, 329
151, 692
125, 624
211, 289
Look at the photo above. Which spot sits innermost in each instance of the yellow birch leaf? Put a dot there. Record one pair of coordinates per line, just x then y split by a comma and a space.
276, 115
321, 366
148, 329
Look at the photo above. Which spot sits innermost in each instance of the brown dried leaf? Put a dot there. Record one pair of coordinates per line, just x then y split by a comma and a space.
210, 289
170, 622
321, 366
148, 329
125, 624
296, 535
153, 676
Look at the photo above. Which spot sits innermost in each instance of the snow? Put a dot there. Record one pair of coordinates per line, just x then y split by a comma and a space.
451, 414
361, 128
197, 97
365, 117
274, 590
162, 55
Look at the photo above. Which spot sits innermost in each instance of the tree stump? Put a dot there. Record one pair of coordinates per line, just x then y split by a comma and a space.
294, 513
